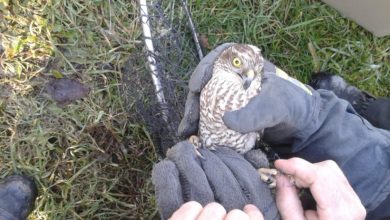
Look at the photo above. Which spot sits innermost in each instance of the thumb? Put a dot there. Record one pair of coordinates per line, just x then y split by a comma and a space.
287, 199
258, 114
265, 110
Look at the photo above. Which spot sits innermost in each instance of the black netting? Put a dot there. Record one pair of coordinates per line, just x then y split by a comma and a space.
173, 59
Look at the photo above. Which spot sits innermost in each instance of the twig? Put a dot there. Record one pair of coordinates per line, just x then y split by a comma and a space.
193, 30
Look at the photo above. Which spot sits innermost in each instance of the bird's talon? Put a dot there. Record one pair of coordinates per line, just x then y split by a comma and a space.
267, 175
199, 154
194, 140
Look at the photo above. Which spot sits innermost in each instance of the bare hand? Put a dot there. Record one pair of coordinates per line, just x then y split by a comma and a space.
330, 188
193, 210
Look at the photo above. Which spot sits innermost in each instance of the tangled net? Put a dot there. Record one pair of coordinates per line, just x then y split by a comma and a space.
156, 90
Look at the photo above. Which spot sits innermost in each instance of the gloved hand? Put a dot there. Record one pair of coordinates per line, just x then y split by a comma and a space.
285, 108
318, 126
282, 100
199, 78
222, 175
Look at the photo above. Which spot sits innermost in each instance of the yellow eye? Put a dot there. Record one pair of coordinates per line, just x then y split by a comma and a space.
236, 62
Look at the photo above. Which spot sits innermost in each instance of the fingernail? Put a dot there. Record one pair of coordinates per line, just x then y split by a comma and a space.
250, 207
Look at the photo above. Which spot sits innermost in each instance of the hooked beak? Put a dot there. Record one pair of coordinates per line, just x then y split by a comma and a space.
248, 77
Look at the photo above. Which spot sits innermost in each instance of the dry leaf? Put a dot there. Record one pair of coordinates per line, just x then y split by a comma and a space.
64, 90
204, 41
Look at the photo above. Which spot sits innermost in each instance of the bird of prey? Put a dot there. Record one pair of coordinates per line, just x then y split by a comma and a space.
236, 78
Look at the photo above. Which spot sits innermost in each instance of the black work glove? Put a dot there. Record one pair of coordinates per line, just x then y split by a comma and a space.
222, 175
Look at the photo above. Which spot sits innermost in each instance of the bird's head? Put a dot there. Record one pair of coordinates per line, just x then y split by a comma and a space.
240, 62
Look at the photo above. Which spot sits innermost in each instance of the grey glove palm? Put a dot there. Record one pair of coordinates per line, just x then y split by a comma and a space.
222, 175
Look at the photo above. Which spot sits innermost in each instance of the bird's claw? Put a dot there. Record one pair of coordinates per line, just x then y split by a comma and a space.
194, 140
268, 176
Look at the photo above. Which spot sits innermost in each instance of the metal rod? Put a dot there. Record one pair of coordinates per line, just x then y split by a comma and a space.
151, 60
154, 71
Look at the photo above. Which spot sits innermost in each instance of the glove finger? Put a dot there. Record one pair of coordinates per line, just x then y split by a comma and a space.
199, 78
165, 178
194, 183
263, 111
226, 188
189, 124
255, 191
257, 158
202, 73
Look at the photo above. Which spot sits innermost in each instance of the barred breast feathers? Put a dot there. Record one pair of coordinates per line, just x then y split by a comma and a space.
224, 93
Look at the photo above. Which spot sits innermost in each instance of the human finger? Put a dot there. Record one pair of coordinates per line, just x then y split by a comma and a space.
311, 215
188, 211
287, 199
212, 211
334, 196
303, 172
237, 214
253, 212
324, 179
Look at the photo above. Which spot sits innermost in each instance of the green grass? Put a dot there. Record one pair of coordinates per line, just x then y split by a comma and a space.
284, 30
92, 159
89, 159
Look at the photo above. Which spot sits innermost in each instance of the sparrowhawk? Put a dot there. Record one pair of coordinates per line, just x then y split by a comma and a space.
236, 78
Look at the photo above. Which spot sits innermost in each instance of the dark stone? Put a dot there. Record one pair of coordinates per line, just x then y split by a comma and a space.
17, 196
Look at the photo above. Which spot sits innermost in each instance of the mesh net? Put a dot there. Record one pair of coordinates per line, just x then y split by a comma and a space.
155, 78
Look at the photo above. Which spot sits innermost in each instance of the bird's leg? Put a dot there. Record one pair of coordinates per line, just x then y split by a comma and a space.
194, 140
268, 176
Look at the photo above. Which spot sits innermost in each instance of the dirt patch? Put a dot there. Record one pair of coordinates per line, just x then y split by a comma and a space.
110, 148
